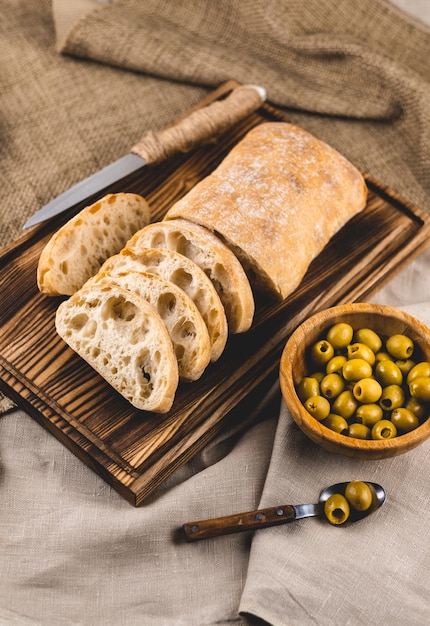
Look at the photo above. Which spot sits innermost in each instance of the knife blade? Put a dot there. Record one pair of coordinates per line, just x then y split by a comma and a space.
200, 126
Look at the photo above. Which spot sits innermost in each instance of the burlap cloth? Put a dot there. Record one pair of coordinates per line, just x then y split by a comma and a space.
78, 96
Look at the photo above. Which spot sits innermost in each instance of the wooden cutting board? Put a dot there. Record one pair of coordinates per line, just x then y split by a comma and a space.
135, 451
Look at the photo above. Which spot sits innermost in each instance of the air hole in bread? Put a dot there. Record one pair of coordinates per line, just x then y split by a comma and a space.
90, 328
118, 308
64, 267
179, 351
78, 322
166, 304
220, 274
185, 329
95, 207
181, 278
145, 366
176, 241
95, 352
158, 240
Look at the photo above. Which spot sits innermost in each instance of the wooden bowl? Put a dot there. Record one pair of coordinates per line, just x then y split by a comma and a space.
384, 320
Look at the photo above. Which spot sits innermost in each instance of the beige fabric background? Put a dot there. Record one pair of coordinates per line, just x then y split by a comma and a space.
73, 552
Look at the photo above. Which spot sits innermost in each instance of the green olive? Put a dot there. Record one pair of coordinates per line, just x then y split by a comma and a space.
336, 509
418, 408
345, 404
332, 385
405, 366
368, 337
318, 407
369, 414
384, 429
388, 373
361, 351
359, 495
418, 371
336, 423
367, 390
321, 352
335, 364
355, 369
308, 387
400, 346
392, 397
419, 388
340, 335
318, 375
382, 356
359, 431
404, 420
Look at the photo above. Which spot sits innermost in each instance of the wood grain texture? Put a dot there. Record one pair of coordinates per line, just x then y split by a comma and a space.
136, 451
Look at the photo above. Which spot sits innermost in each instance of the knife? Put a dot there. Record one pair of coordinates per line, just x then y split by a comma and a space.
200, 126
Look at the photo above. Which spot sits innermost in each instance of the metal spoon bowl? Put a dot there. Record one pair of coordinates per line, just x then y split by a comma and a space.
274, 516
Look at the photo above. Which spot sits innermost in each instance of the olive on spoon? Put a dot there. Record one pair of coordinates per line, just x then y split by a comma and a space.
338, 511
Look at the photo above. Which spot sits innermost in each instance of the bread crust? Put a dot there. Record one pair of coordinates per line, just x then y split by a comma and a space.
120, 335
209, 253
76, 251
276, 200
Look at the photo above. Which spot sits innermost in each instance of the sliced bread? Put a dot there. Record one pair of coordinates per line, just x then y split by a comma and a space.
185, 274
187, 330
77, 250
121, 336
208, 252
276, 200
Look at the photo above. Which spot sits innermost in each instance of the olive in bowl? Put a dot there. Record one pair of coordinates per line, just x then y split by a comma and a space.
360, 407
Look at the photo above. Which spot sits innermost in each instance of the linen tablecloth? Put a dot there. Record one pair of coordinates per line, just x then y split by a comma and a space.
79, 83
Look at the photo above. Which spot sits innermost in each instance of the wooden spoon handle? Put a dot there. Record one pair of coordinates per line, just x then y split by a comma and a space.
239, 522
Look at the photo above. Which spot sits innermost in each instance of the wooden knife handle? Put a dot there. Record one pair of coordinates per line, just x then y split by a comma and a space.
239, 522
200, 126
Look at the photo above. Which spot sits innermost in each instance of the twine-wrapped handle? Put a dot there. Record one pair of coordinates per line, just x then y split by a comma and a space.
200, 126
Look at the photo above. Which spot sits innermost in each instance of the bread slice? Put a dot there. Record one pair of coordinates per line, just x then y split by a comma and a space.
187, 330
121, 336
186, 275
77, 250
276, 200
212, 256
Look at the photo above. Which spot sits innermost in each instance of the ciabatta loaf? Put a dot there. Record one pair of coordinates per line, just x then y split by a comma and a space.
187, 276
185, 325
121, 336
77, 250
212, 256
276, 200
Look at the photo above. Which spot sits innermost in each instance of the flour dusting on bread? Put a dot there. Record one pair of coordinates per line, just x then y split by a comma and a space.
276, 200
